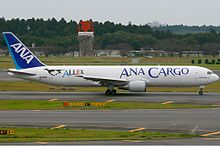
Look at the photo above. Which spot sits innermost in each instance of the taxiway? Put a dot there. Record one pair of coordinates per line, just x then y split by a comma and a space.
176, 97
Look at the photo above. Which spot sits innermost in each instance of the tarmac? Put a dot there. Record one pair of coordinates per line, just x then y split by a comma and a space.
198, 121
175, 97
177, 119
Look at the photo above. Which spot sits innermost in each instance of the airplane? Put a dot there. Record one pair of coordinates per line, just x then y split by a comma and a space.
132, 78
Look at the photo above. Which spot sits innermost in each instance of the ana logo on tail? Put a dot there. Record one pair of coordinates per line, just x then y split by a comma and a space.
22, 57
23, 52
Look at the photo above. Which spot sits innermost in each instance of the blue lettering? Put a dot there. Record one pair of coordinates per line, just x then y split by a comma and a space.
167, 71
141, 71
150, 73
124, 73
170, 71
134, 71
65, 74
185, 71
154, 72
177, 71
162, 71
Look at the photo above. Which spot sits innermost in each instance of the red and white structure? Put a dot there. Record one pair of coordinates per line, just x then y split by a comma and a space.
85, 31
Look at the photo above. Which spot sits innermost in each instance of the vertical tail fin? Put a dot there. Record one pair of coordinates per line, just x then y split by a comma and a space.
21, 55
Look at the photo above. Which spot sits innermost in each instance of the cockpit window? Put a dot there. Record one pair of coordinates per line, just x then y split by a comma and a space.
209, 72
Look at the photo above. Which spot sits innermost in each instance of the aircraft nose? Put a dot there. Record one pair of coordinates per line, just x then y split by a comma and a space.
216, 77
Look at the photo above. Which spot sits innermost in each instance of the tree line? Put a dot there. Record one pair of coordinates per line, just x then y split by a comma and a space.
184, 29
60, 36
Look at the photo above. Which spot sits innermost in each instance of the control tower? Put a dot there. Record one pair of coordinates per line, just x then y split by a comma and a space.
85, 36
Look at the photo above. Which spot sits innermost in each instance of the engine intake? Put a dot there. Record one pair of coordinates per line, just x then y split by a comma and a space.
136, 86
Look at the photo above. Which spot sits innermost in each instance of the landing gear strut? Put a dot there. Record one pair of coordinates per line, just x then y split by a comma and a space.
201, 90
110, 92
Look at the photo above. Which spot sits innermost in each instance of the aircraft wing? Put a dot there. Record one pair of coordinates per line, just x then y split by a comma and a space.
20, 72
106, 80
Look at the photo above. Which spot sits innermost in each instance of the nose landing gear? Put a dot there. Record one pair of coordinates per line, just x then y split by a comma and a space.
110, 92
201, 90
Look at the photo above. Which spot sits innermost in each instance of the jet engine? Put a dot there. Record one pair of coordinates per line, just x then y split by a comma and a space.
136, 86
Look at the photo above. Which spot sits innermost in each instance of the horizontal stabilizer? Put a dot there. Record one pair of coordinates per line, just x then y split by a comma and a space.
20, 72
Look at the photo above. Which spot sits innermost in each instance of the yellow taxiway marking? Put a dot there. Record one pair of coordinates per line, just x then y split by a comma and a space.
138, 129
110, 100
52, 99
41, 142
168, 102
132, 140
212, 133
60, 126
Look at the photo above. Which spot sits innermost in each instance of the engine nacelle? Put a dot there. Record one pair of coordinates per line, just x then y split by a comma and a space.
136, 86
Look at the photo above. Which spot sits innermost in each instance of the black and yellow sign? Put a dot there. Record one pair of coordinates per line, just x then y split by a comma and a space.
7, 132
78, 104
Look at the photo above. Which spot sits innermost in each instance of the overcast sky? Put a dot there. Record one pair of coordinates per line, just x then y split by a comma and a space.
189, 12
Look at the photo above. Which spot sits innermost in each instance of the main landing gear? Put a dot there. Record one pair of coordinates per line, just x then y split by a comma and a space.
110, 92
201, 90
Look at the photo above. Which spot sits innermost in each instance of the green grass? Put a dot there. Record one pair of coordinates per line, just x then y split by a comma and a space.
58, 105
65, 135
6, 62
35, 86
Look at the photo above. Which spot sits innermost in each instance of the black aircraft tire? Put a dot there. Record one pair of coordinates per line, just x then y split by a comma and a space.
200, 92
107, 92
113, 92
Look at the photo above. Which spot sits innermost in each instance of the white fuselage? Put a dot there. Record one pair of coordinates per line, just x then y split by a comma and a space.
161, 76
